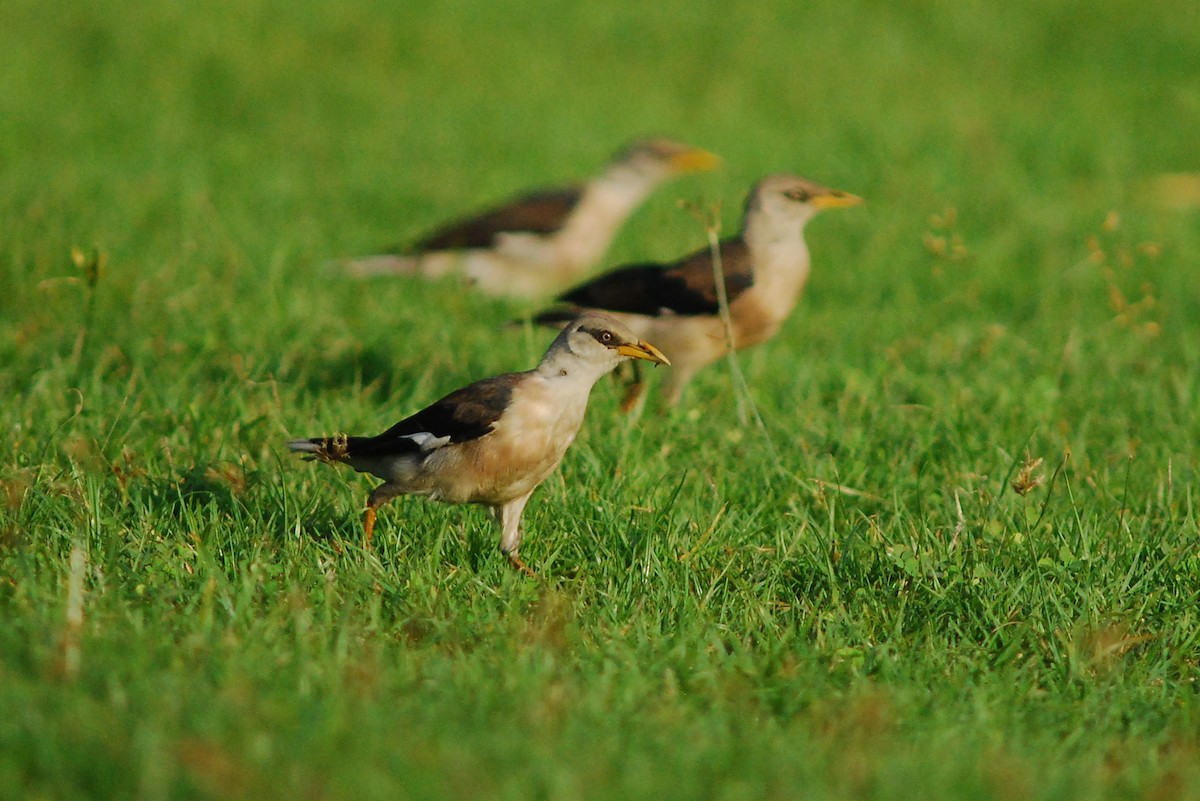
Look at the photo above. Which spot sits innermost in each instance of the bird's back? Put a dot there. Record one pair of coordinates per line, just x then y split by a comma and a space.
687, 287
542, 212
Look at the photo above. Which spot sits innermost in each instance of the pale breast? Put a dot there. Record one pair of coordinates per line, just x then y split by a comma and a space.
756, 318
760, 311
526, 446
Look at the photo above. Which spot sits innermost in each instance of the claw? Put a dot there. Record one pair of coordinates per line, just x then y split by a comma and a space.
519, 564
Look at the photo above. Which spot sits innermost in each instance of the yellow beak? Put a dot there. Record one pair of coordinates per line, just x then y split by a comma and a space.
835, 199
695, 160
643, 350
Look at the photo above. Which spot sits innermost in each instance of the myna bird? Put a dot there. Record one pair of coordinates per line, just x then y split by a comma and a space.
676, 305
492, 442
541, 242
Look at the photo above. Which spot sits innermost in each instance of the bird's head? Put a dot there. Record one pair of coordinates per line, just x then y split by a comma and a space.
790, 200
657, 159
598, 342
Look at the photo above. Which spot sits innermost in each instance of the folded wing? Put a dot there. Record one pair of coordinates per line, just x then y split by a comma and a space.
461, 416
542, 212
687, 287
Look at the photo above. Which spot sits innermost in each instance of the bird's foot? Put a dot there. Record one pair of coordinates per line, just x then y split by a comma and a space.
519, 564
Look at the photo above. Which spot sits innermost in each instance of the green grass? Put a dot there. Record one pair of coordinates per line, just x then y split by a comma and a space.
850, 602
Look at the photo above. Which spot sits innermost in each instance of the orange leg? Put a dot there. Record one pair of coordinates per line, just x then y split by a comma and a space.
379, 496
368, 527
633, 393
510, 538
633, 386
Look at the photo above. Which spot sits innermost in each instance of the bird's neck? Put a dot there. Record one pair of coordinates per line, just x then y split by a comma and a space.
780, 257
764, 232
606, 204
562, 366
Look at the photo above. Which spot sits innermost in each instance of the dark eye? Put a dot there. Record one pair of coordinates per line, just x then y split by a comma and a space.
799, 195
606, 337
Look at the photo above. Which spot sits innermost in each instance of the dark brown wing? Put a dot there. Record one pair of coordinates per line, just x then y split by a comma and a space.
687, 287
465, 414
536, 213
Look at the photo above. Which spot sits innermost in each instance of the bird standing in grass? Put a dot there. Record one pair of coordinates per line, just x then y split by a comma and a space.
677, 305
541, 242
492, 442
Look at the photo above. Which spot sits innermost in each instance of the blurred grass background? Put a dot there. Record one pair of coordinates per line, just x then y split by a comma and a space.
719, 619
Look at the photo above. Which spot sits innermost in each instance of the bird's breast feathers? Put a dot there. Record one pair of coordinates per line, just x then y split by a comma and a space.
525, 446
545, 412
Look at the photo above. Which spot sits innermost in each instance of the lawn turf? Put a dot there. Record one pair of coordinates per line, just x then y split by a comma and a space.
958, 558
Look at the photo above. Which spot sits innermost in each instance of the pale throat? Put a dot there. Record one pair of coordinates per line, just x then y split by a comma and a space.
572, 373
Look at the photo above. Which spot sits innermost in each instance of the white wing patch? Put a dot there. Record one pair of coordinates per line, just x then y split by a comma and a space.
427, 442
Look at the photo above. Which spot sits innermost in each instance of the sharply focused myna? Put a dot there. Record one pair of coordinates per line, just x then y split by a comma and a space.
494, 441
676, 305
541, 242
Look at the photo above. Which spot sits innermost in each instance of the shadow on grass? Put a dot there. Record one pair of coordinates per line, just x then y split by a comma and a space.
216, 493
371, 366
